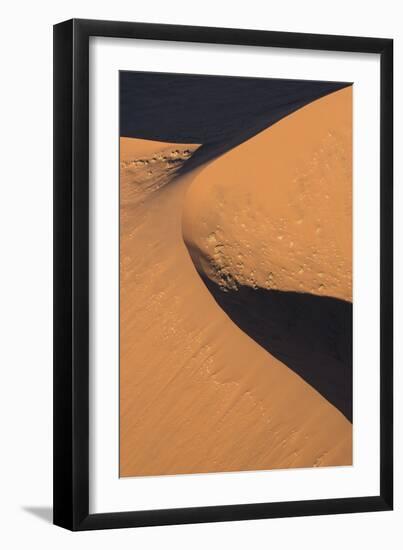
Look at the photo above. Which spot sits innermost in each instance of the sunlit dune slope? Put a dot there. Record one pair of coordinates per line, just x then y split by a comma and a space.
196, 393
276, 211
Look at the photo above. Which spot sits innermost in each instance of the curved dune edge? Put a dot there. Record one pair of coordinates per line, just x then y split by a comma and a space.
276, 212
196, 393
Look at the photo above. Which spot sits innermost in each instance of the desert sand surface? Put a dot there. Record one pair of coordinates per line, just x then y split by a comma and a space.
197, 393
269, 228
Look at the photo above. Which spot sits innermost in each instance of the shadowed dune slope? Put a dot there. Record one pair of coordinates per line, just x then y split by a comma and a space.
217, 111
197, 394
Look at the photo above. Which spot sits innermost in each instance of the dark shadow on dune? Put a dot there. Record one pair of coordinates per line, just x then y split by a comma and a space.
310, 334
219, 112
211, 150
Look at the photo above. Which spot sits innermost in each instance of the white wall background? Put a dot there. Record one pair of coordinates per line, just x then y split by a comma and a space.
26, 280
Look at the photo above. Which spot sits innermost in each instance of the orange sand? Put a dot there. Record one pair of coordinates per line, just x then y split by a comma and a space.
196, 393
276, 211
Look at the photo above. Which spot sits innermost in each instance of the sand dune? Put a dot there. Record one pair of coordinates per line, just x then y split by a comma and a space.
276, 211
197, 393
269, 228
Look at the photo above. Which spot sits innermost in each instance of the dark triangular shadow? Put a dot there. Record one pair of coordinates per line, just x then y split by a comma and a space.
204, 109
310, 334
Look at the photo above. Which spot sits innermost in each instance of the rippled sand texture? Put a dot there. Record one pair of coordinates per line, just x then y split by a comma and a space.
197, 393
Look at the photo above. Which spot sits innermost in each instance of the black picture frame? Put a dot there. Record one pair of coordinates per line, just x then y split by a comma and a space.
71, 274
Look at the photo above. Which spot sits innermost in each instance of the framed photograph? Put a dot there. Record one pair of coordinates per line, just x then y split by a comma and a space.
223, 237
